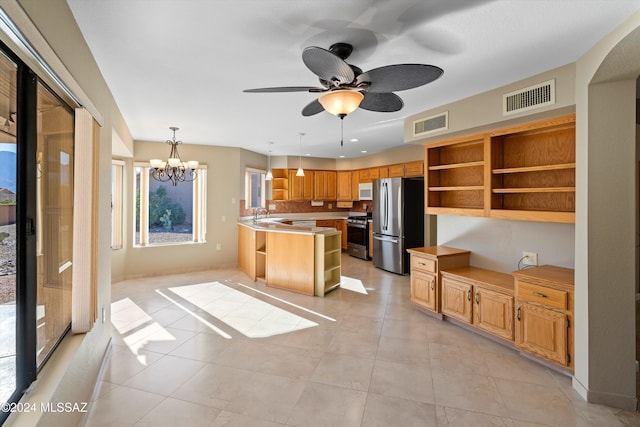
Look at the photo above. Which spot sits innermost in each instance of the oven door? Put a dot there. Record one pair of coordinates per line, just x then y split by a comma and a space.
357, 240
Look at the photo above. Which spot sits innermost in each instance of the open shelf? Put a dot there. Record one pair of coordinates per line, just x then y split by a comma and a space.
280, 184
524, 171
328, 262
455, 175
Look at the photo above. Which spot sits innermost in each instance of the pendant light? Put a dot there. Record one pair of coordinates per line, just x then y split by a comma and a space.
269, 175
300, 171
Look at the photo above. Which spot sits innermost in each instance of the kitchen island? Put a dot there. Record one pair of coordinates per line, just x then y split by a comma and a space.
303, 259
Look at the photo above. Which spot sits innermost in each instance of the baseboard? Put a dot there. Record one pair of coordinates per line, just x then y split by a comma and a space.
627, 403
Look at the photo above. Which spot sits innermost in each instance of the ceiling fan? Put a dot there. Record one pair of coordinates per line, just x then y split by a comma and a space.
346, 87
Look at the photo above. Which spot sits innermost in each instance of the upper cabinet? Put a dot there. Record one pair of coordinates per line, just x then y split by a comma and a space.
301, 187
345, 186
522, 172
325, 187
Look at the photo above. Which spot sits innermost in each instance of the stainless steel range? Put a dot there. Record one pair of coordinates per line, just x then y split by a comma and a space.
358, 236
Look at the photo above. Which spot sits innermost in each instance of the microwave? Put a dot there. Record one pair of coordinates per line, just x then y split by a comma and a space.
365, 191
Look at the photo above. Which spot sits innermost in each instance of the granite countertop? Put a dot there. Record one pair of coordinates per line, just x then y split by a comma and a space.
274, 225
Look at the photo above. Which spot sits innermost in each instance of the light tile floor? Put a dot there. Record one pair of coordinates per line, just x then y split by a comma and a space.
215, 349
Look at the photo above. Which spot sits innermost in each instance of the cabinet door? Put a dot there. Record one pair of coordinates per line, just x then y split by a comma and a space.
344, 186
493, 312
295, 186
374, 173
331, 186
341, 224
319, 185
456, 299
414, 169
355, 183
542, 331
364, 175
423, 289
307, 185
396, 171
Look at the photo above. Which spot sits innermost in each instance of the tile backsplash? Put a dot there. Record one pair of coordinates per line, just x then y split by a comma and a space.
305, 206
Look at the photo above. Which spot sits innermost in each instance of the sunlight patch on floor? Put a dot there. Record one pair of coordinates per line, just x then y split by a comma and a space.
250, 316
351, 284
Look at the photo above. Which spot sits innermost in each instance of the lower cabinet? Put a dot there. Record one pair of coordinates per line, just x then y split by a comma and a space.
423, 289
544, 313
483, 298
426, 264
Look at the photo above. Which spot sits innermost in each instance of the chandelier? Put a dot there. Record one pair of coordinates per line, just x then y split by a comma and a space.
174, 169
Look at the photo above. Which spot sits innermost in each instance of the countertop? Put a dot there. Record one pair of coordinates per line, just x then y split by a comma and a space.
275, 226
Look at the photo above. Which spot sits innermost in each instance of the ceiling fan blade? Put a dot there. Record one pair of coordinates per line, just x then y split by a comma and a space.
314, 107
394, 78
285, 89
386, 102
327, 65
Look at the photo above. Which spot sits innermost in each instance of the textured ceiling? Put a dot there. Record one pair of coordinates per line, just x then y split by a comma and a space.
185, 62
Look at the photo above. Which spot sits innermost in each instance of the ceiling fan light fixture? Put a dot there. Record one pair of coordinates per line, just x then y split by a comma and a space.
341, 102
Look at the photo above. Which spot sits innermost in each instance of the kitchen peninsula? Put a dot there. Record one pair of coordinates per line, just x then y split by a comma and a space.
304, 259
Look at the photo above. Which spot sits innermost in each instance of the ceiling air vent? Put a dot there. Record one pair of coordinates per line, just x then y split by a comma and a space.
529, 98
431, 124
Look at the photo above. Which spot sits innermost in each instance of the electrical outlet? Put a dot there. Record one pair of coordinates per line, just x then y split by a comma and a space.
218, 246
529, 258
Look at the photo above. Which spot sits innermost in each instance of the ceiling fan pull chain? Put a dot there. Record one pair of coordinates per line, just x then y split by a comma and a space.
341, 131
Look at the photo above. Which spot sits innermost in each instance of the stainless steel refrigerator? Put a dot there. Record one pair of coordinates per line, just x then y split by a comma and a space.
398, 221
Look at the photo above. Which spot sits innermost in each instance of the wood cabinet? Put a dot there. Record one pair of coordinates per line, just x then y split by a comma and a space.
545, 313
280, 184
364, 175
414, 169
522, 172
341, 225
396, 171
355, 184
301, 187
483, 298
426, 266
344, 186
533, 170
455, 177
298, 261
325, 183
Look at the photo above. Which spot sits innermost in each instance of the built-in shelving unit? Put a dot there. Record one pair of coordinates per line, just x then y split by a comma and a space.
328, 264
520, 172
280, 184
455, 177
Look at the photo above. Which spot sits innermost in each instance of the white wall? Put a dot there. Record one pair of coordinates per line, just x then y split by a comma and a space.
497, 244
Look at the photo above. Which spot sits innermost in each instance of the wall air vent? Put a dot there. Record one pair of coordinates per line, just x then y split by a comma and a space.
431, 124
529, 98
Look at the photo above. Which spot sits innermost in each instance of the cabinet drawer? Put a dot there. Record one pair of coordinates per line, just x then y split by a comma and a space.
419, 263
542, 295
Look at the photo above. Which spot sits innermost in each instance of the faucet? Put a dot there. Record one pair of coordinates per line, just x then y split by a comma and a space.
257, 211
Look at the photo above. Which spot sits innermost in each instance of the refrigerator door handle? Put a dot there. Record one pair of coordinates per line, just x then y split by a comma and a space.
386, 205
385, 239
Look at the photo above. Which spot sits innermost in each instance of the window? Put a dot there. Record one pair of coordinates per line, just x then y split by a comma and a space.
167, 214
117, 172
254, 184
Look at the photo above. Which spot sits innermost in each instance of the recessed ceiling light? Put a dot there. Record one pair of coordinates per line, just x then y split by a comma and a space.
363, 151
354, 140
308, 154
342, 156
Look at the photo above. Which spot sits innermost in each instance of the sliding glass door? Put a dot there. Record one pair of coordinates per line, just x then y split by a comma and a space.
8, 164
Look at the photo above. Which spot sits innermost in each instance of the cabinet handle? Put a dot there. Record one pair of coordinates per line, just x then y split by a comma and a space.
477, 298
422, 263
432, 283
518, 314
539, 295
469, 295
